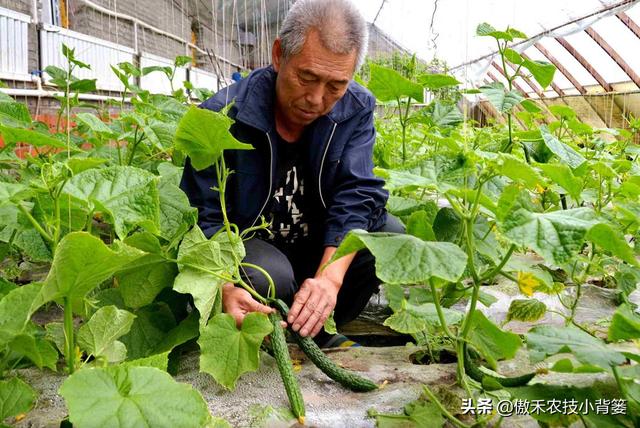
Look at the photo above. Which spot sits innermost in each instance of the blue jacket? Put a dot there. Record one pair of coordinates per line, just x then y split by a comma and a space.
342, 193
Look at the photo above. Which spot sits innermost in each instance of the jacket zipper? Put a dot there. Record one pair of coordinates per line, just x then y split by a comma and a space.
326, 149
270, 180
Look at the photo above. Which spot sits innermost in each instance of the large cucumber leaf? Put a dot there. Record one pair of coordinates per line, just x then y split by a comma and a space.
124, 396
405, 259
227, 352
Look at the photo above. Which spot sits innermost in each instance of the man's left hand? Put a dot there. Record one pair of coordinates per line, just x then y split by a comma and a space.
312, 305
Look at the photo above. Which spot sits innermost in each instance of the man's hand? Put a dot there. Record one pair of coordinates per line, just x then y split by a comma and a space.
237, 302
312, 305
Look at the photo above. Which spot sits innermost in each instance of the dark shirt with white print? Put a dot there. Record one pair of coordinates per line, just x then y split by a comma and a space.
287, 216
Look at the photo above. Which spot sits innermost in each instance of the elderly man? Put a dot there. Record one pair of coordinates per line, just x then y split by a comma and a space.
310, 174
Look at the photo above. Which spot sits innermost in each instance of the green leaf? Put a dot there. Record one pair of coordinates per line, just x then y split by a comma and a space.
530, 106
330, 325
544, 341
149, 329
513, 57
389, 85
612, 240
563, 176
204, 288
16, 309
153, 68
437, 81
419, 225
177, 215
562, 111
187, 329
41, 352
564, 152
159, 361
94, 123
417, 414
6, 287
13, 192
203, 135
131, 397
58, 75
160, 134
566, 366
494, 344
81, 263
485, 29
201, 263
403, 180
446, 114
405, 322
447, 226
625, 324
16, 135
556, 235
127, 194
401, 206
14, 114
500, 98
226, 352
182, 60
77, 165
83, 85
526, 310
519, 171
169, 173
141, 282
405, 259
395, 295
15, 397
55, 334
105, 326
542, 71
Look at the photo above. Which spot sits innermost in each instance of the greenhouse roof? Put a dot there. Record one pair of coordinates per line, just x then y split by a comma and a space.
594, 43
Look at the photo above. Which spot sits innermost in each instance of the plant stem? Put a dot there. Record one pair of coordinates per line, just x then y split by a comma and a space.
69, 344
436, 302
272, 287
34, 223
492, 273
455, 421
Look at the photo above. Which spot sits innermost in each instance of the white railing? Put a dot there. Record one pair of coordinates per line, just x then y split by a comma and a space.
99, 54
157, 82
14, 46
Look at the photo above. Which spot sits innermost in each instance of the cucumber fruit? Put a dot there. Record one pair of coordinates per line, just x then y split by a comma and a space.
285, 366
343, 376
476, 374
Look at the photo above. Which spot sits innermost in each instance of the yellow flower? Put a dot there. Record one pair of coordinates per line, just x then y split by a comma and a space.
527, 283
540, 189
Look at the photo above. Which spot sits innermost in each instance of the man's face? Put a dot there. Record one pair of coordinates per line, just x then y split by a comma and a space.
310, 83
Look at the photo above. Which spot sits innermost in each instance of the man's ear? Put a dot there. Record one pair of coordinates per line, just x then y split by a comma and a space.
276, 55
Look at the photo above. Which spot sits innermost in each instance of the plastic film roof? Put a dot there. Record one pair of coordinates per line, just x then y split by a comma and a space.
595, 42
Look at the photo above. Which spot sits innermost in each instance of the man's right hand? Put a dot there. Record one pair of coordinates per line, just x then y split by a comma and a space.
237, 302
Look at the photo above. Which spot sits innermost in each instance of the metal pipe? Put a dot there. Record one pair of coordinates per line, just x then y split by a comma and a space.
17, 92
34, 12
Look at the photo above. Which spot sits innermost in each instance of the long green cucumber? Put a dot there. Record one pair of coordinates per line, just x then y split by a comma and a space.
285, 366
343, 376
476, 374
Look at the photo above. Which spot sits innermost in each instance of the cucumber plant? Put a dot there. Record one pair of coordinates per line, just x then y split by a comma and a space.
478, 199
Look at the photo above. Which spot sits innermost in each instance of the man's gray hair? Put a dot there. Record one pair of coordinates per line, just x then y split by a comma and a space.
341, 27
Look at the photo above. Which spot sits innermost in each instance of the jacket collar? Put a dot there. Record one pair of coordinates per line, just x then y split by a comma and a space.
254, 105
